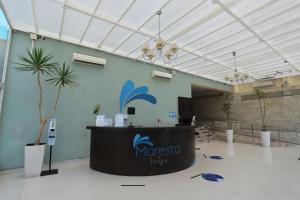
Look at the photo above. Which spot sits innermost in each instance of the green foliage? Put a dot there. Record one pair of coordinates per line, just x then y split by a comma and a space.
63, 76
36, 62
226, 108
264, 106
41, 65
96, 109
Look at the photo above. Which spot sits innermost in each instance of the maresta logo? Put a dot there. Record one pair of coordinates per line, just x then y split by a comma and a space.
143, 146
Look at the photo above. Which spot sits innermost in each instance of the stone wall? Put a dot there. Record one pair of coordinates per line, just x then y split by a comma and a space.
284, 114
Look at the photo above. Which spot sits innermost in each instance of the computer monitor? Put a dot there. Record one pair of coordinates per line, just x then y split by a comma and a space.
131, 110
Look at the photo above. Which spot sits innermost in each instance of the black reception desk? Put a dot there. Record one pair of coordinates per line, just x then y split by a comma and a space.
141, 151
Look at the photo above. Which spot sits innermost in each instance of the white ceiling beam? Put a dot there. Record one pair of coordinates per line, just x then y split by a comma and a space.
280, 26
262, 49
219, 40
90, 21
230, 45
277, 37
271, 69
210, 69
187, 60
214, 73
270, 39
264, 56
210, 16
207, 34
140, 27
230, 23
204, 67
263, 62
189, 65
284, 11
118, 21
62, 20
34, 16
220, 74
172, 23
225, 8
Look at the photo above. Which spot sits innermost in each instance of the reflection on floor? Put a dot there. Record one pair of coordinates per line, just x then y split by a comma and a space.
242, 138
250, 172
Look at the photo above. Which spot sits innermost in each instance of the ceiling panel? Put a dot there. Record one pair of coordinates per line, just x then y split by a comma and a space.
133, 42
264, 33
135, 18
46, 24
112, 9
96, 32
115, 37
88, 5
247, 6
71, 31
20, 14
174, 9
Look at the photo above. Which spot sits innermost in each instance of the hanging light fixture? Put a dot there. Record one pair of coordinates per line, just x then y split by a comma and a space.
161, 50
237, 76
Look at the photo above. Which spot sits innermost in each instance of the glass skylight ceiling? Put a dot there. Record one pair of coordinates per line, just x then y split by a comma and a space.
264, 33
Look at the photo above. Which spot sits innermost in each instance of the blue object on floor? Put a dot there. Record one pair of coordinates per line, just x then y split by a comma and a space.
212, 177
216, 157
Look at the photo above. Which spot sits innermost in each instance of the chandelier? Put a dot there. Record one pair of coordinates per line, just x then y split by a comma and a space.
237, 76
161, 50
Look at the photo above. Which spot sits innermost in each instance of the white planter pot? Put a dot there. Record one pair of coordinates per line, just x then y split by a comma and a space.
34, 156
229, 136
265, 138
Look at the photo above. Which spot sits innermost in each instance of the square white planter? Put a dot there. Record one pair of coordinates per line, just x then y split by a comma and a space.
229, 136
265, 138
34, 156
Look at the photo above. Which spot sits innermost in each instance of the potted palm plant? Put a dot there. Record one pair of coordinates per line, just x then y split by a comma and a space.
264, 106
44, 71
226, 108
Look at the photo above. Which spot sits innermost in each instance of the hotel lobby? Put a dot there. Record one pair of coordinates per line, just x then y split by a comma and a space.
161, 99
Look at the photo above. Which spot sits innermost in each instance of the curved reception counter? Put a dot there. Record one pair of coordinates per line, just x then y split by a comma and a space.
141, 151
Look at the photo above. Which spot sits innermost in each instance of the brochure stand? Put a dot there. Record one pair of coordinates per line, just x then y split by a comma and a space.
51, 142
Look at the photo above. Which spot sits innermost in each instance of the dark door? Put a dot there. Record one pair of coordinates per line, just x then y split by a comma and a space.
185, 111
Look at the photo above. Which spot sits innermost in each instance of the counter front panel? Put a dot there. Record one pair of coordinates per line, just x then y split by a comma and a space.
141, 151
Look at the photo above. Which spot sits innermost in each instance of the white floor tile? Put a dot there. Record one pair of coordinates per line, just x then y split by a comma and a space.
250, 173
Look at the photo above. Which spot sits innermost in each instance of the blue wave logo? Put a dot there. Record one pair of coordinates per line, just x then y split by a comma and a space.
130, 93
212, 177
138, 139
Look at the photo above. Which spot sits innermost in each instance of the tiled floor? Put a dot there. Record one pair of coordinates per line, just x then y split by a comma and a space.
250, 173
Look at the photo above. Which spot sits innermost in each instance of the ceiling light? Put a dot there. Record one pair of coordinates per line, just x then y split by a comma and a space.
237, 77
161, 50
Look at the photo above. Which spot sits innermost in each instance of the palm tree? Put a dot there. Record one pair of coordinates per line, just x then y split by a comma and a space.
226, 108
41, 65
263, 106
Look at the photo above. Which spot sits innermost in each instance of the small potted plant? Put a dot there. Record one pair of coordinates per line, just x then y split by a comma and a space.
43, 71
226, 108
96, 109
264, 106
100, 119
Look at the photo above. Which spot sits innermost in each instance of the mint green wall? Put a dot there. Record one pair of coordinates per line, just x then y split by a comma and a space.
18, 123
